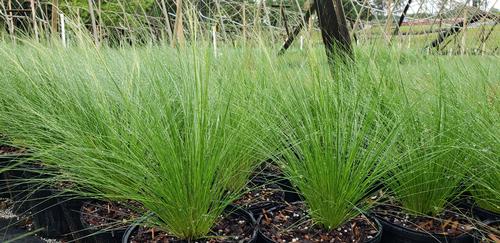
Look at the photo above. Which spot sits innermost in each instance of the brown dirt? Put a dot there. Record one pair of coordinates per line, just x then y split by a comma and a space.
293, 224
109, 214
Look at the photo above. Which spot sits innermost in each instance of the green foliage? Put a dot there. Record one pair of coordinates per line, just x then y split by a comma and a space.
178, 137
434, 155
336, 138
486, 187
482, 104
180, 131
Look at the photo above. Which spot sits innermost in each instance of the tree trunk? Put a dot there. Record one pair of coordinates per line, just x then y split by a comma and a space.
458, 27
179, 26
334, 29
244, 17
220, 15
288, 42
164, 10
284, 18
10, 18
33, 18
402, 17
55, 15
93, 20
388, 22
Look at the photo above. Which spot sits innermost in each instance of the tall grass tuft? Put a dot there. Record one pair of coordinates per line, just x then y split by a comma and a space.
180, 130
433, 157
172, 130
336, 138
480, 101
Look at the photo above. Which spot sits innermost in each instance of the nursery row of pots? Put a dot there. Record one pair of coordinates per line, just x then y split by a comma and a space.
272, 212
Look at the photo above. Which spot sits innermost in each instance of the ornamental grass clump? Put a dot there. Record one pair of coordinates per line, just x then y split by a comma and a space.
486, 189
335, 138
486, 168
171, 130
481, 102
431, 160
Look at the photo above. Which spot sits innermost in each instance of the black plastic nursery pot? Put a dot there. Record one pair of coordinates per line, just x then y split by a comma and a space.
56, 213
479, 213
236, 212
11, 163
335, 235
270, 173
397, 234
290, 192
18, 181
5, 187
49, 214
25, 188
262, 196
484, 215
15, 234
94, 234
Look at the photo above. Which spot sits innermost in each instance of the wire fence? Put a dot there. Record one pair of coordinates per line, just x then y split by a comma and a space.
232, 21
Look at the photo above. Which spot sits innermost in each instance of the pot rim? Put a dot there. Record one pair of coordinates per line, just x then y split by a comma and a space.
422, 233
476, 207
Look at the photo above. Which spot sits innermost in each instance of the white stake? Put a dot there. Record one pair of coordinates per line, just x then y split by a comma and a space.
63, 30
214, 39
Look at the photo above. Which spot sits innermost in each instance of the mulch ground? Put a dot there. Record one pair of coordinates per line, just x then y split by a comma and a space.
102, 215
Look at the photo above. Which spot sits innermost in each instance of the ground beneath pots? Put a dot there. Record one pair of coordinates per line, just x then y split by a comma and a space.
292, 223
448, 223
115, 215
232, 228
